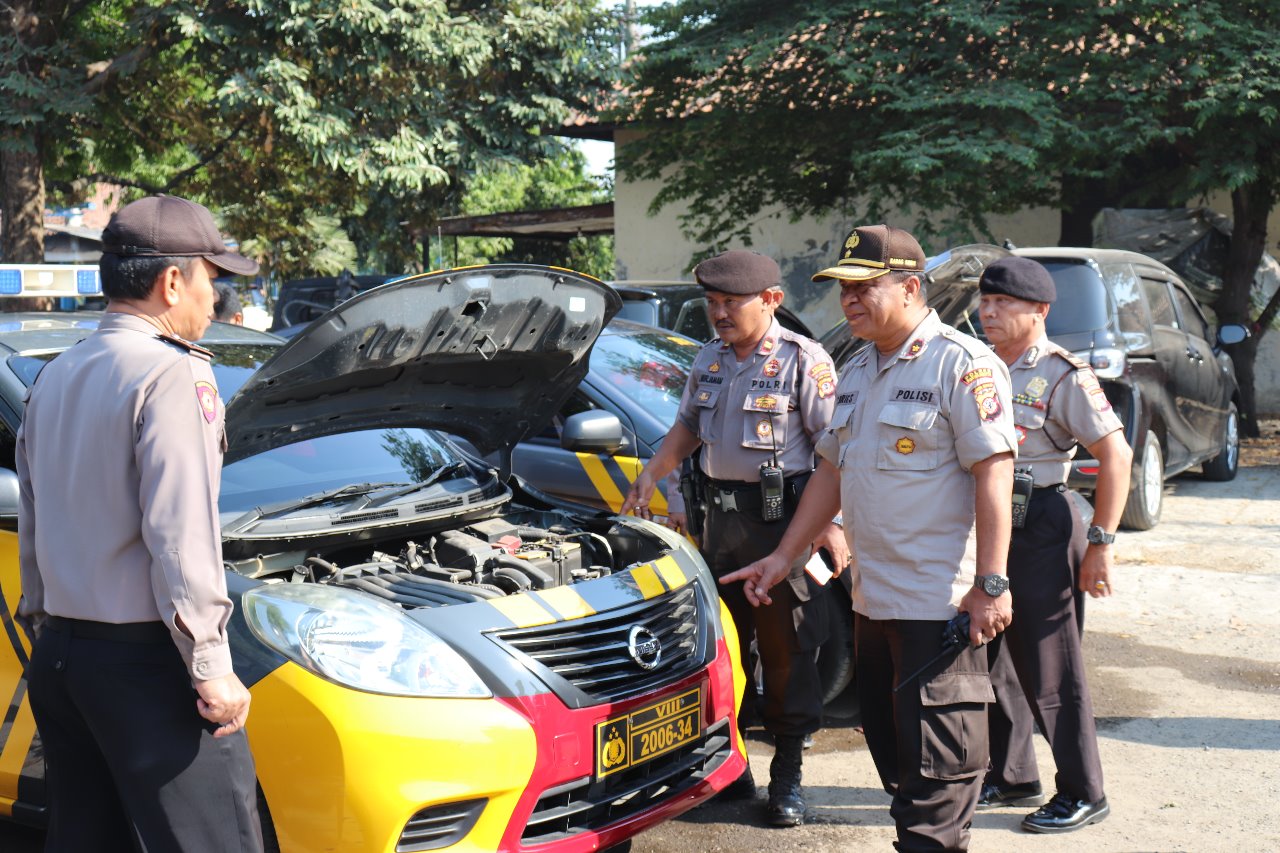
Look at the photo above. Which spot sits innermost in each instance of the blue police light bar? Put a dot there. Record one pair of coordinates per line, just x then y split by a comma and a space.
55, 280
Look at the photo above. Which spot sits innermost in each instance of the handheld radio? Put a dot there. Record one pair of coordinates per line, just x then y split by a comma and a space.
772, 483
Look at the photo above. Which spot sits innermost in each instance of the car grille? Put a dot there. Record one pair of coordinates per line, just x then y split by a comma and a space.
592, 655
439, 826
588, 804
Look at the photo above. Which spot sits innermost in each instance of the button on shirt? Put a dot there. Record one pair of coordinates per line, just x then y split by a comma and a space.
781, 396
119, 461
1057, 401
904, 437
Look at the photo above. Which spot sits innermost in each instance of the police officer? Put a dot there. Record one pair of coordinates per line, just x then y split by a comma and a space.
119, 459
756, 400
1057, 404
921, 446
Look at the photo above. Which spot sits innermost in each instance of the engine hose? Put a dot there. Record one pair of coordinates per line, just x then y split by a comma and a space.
387, 588
323, 563
447, 588
541, 580
447, 596
520, 579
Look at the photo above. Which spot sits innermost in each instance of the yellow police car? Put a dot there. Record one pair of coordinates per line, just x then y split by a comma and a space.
438, 659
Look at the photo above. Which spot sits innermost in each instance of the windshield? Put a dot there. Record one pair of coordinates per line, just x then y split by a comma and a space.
648, 367
1081, 305
232, 364
315, 465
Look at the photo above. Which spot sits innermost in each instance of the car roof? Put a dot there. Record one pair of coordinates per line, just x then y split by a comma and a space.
1100, 256
46, 331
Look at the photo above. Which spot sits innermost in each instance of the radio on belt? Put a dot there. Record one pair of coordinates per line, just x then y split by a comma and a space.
771, 483
1023, 483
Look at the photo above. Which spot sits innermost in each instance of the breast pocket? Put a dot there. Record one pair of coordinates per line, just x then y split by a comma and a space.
1029, 417
842, 428
705, 400
764, 421
906, 437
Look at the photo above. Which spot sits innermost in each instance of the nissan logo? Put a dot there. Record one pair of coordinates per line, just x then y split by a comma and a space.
644, 646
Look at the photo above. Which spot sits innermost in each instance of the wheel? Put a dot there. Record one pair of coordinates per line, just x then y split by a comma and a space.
1146, 488
835, 656
1223, 467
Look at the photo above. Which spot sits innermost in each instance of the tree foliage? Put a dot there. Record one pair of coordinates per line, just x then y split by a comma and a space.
950, 110
288, 117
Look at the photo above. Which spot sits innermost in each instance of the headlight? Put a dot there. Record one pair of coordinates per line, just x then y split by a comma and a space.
357, 641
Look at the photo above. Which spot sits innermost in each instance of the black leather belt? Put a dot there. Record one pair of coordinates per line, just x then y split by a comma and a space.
121, 632
1056, 487
741, 496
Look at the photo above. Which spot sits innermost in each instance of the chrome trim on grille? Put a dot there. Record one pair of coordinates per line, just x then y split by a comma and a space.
587, 661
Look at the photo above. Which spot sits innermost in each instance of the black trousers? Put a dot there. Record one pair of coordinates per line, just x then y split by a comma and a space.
787, 632
130, 763
1037, 665
929, 739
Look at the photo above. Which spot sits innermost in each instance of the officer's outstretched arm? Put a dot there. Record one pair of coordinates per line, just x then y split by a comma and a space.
818, 504
678, 444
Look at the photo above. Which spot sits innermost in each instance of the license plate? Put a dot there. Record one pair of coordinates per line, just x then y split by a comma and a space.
648, 732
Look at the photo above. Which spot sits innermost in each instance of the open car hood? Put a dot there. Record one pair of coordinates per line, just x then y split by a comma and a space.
488, 353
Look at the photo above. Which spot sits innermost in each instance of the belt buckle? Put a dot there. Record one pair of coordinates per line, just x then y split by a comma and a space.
728, 501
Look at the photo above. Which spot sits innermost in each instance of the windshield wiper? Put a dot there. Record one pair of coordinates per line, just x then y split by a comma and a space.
351, 490
452, 469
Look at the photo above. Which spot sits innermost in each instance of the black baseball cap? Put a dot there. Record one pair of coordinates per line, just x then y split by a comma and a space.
870, 251
168, 226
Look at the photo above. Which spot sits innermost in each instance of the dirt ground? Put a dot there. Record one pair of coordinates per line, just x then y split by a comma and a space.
1184, 665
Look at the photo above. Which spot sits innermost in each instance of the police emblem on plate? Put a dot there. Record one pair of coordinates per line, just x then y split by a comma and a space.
208, 397
904, 446
615, 750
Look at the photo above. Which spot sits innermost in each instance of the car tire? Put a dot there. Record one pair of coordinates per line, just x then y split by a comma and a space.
1223, 467
1146, 488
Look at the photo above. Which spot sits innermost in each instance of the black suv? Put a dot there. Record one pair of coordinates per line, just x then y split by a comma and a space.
1159, 362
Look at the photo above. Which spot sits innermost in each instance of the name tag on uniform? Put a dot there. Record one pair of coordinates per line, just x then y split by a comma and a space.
915, 395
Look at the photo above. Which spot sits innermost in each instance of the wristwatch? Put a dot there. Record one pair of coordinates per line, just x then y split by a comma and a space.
993, 585
1098, 535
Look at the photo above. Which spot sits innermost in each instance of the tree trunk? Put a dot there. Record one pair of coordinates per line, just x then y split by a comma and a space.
1250, 205
22, 199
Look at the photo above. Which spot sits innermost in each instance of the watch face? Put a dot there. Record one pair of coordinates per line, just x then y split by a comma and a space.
994, 585
1098, 536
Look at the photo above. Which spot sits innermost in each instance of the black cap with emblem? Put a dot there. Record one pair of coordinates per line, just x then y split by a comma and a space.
171, 227
1021, 278
870, 251
739, 271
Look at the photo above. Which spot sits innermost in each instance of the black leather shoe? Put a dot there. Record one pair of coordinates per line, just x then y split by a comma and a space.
786, 798
742, 788
1064, 814
999, 796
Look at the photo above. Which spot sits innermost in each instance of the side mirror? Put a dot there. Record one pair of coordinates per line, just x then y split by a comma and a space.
1232, 333
592, 432
8, 499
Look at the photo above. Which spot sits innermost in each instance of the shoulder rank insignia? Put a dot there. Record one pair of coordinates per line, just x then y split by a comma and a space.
194, 349
917, 346
767, 346
1072, 359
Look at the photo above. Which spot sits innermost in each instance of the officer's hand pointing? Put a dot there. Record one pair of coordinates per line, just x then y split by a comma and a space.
759, 577
638, 495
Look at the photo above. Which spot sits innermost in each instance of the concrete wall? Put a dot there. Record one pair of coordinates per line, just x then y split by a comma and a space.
1266, 375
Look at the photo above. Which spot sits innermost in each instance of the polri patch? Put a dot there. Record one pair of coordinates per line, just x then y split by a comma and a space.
208, 397
987, 400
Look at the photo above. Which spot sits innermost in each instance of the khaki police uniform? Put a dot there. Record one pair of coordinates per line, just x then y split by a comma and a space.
1057, 402
905, 435
776, 401
119, 461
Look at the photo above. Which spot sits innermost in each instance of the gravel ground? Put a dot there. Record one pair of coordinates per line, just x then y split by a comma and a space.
1185, 670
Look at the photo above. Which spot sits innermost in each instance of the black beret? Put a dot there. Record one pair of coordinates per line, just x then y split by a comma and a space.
1021, 278
739, 271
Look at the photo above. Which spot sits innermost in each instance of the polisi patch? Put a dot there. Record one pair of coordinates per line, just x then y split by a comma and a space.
207, 395
915, 395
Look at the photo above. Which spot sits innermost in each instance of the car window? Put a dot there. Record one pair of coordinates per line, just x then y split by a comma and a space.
1126, 291
692, 321
1157, 293
649, 368
1081, 305
1190, 319
639, 311
233, 364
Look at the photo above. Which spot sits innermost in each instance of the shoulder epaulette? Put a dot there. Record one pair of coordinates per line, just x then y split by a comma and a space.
968, 343
1070, 358
193, 349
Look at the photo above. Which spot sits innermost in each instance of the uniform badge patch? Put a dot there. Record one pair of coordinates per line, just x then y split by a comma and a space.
1096, 394
714, 368
772, 367
766, 346
987, 400
1036, 386
207, 395
904, 446
974, 375
764, 429
766, 403
826, 388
